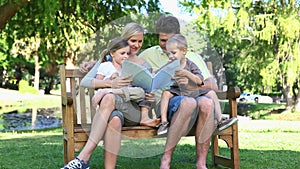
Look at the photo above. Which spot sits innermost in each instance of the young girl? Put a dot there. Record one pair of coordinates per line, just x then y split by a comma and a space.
133, 33
118, 49
177, 48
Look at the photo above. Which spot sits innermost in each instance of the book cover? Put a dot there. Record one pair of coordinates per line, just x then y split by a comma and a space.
143, 78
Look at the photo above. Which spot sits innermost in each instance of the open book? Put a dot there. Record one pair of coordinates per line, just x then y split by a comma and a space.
143, 78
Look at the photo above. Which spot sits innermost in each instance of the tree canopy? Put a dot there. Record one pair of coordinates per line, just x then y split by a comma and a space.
37, 35
259, 41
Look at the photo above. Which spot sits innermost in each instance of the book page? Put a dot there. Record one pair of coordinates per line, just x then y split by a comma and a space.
143, 78
163, 76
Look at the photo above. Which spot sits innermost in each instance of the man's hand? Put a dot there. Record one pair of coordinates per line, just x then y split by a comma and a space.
86, 66
122, 81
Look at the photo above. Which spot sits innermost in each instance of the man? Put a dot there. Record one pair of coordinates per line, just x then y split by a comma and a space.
185, 116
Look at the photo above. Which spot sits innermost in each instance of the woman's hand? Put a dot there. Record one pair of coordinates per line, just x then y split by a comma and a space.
120, 82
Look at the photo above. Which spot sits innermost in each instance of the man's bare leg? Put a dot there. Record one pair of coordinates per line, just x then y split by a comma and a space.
178, 128
98, 128
204, 130
112, 142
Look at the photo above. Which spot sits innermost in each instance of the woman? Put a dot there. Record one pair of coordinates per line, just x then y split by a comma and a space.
111, 131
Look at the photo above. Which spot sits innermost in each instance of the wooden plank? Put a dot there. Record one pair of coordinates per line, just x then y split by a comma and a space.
82, 106
74, 94
93, 110
224, 161
73, 73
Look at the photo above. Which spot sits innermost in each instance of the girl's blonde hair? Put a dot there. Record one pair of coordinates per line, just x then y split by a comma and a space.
179, 40
114, 45
131, 29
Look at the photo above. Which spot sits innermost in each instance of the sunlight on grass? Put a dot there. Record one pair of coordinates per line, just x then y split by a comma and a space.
272, 149
28, 134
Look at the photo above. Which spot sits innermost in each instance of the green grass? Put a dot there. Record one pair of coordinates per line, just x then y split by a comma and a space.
260, 148
44, 150
263, 111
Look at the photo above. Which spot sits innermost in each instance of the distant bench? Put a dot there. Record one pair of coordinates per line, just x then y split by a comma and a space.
78, 112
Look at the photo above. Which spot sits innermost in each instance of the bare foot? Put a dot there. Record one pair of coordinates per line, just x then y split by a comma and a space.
165, 162
198, 166
150, 122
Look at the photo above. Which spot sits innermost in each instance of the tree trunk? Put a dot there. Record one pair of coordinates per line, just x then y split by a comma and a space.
297, 102
288, 96
8, 10
37, 70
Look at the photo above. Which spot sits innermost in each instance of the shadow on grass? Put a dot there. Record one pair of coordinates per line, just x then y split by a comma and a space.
45, 151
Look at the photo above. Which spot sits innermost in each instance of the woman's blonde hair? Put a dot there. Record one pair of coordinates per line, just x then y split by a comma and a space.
114, 45
131, 29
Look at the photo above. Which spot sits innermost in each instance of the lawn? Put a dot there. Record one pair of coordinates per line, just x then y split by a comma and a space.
258, 150
264, 144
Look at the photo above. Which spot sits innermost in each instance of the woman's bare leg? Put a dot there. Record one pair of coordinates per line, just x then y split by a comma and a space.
112, 142
99, 126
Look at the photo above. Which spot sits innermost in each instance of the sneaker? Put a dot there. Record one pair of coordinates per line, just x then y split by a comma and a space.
225, 123
162, 128
76, 164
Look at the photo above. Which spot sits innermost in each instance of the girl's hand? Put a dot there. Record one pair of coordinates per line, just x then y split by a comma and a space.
150, 97
120, 82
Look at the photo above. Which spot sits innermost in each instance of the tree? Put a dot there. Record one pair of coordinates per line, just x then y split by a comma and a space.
60, 30
9, 9
264, 37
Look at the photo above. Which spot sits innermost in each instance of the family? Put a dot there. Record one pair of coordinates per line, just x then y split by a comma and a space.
190, 101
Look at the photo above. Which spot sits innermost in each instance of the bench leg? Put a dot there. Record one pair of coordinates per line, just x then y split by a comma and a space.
232, 143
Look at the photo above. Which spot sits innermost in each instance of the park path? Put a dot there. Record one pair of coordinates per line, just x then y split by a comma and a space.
246, 123
14, 95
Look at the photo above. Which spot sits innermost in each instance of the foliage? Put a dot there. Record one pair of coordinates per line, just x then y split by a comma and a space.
56, 32
261, 40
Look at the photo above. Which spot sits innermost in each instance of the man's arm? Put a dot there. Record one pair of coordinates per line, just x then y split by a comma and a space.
210, 83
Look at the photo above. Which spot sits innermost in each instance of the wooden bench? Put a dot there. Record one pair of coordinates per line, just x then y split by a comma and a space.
77, 114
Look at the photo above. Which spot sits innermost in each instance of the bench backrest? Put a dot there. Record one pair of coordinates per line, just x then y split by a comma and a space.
77, 96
